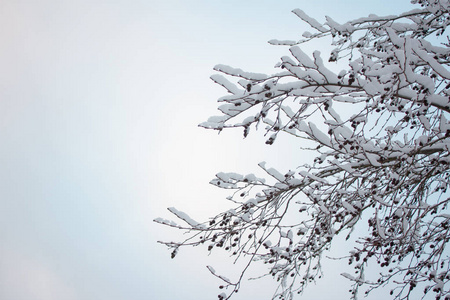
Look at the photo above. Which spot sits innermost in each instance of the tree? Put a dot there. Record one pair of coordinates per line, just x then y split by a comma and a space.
381, 134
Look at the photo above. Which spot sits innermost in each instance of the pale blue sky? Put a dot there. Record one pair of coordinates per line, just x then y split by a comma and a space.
99, 106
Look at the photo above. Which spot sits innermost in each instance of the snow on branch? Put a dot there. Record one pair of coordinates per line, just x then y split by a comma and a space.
311, 21
183, 216
380, 133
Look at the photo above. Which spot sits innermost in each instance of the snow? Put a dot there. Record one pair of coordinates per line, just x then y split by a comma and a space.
346, 167
165, 222
347, 27
282, 42
231, 87
434, 64
425, 122
253, 178
378, 121
311, 21
272, 172
229, 177
348, 206
346, 99
239, 72
302, 57
319, 135
313, 177
373, 159
348, 276
324, 209
186, 218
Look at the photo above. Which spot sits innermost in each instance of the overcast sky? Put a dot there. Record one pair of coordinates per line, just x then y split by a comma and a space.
99, 106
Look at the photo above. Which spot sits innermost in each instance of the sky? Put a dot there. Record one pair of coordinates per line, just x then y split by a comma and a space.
99, 106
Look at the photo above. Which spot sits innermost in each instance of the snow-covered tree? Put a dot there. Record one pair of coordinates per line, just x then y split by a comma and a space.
381, 131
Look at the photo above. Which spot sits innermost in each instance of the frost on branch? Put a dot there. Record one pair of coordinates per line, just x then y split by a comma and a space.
382, 131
